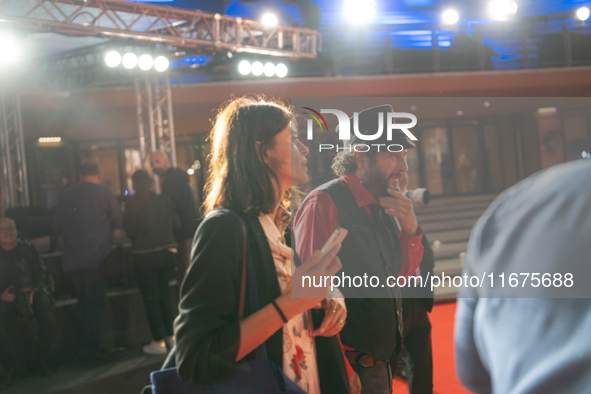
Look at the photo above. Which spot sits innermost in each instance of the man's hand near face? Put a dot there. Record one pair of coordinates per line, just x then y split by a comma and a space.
401, 207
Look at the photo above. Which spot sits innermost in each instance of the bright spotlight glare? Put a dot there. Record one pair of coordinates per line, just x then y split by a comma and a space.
501, 10
161, 64
583, 13
190, 171
9, 50
281, 70
269, 20
257, 68
513, 8
129, 60
269, 69
450, 17
145, 62
244, 67
113, 59
359, 11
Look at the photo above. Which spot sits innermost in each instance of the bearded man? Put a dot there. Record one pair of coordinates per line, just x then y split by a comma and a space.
365, 199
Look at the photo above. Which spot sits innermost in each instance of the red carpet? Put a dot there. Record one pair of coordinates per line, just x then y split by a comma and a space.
445, 379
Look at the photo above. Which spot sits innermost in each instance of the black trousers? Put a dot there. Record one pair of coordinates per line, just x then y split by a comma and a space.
26, 341
154, 270
91, 291
417, 342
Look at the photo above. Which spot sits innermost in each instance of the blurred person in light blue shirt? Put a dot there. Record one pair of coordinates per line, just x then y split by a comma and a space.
527, 339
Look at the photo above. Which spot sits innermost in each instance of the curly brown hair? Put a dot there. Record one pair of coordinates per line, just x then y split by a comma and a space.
239, 179
344, 162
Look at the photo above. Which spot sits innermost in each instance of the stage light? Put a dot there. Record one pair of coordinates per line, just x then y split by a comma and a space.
359, 11
269, 20
450, 17
257, 68
161, 64
269, 69
129, 60
49, 140
190, 171
113, 59
281, 70
583, 13
547, 111
9, 50
145, 62
244, 67
501, 10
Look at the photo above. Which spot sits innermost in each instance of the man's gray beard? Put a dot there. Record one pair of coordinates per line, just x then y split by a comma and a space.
375, 181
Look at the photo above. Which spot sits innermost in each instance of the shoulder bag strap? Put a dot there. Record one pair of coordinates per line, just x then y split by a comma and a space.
244, 257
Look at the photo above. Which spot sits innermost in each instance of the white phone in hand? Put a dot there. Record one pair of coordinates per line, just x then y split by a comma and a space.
336, 238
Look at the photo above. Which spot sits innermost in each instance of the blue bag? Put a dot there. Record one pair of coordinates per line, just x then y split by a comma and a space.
259, 376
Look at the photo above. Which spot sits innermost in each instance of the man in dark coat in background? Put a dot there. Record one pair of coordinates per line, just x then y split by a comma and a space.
85, 216
175, 186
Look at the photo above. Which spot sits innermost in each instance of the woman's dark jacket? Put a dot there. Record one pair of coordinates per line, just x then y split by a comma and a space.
207, 329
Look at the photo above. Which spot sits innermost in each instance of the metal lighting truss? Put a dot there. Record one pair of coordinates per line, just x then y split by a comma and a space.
135, 24
152, 90
14, 164
85, 67
164, 25
79, 67
154, 116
